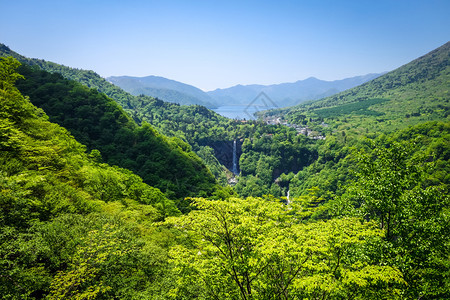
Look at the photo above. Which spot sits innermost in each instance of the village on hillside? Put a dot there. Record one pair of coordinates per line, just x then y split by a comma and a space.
301, 129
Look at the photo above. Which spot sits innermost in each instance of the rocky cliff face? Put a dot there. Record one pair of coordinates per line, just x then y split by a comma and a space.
224, 150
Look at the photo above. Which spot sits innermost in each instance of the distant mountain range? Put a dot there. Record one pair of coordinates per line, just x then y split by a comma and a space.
283, 95
164, 89
288, 94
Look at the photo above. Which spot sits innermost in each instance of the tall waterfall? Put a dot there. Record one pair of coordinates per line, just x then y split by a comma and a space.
235, 171
287, 197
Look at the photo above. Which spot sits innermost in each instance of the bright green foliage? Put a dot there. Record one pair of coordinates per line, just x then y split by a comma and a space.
258, 249
329, 171
385, 176
375, 227
8, 74
398, 188
98, 251
360, 108
268, 153
206, 153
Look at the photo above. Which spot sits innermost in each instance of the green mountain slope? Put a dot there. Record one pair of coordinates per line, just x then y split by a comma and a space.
73, 228
85, 77
416, 94
67, 218
188, 123
413, 93
100, 123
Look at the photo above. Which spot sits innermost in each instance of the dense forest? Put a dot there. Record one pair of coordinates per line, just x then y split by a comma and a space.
105, 195
101, 124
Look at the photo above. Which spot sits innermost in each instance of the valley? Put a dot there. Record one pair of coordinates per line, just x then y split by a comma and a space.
108, 191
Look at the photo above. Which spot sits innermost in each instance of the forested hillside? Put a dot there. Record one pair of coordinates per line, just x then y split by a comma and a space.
101, 124
415, 93
69, 224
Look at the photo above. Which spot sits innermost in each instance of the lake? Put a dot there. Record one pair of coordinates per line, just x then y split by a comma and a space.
240, 112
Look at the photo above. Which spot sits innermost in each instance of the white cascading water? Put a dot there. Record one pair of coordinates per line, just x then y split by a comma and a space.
235, 171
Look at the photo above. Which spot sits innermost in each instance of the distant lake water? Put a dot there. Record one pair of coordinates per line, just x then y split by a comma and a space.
240, 112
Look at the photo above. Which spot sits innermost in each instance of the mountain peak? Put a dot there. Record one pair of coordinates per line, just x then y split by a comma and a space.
312, 78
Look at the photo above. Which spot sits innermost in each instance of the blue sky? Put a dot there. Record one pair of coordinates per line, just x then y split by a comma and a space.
212, 44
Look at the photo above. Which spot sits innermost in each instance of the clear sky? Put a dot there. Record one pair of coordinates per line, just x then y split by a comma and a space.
217, 44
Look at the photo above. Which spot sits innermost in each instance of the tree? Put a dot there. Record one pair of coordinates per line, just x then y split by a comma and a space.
396, 187
81, 280
258, 249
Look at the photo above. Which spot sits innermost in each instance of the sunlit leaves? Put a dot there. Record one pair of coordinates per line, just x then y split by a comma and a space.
81, 280
259, 249
397, 187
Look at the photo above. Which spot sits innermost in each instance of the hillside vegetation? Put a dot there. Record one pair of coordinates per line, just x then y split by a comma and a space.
67, 221
102, 125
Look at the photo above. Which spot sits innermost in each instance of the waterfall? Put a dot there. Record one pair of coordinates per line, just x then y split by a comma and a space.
235, 171
287, 197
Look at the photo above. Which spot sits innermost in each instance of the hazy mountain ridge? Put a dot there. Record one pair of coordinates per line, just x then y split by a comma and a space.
133, 105
164, 89
288, 94
124, 89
